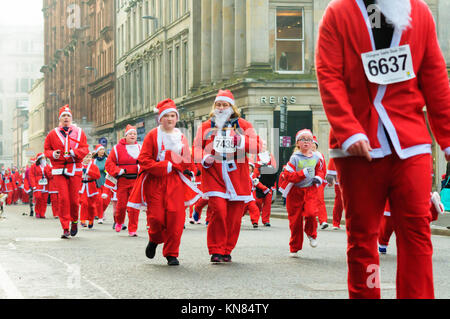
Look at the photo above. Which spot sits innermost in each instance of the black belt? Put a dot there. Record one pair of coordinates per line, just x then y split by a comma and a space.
89, 181
129, 176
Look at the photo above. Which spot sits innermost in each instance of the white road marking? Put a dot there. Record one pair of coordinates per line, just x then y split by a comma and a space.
90, 282
8, 286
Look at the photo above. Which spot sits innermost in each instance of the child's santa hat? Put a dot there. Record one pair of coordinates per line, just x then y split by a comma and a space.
165, 107
129, 129
40, 155
98, 148
315, 140
300, 133
64, 110
225, 96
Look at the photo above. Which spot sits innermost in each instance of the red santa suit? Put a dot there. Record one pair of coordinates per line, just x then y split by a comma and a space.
162, 186
89, 192
338, 205
389, 115
16, 180
122, 164
322, 209
252, 207
52, 190
8, 186
223, 179
67, 169
39, 182
304, 175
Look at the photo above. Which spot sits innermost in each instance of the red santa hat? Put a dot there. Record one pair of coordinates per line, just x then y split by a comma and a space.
64, 110
98, 148
315, 140
38, 156
128, 129
305, 131
165, 107
225, 96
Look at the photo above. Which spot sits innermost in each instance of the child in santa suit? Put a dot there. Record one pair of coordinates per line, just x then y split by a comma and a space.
66, 146
89, 191
252, 207
338, 207
100, 157
52, 190
122, 164
221, 145
163, 186
322, 213
304, 176
379, 137
39, 182
8, 186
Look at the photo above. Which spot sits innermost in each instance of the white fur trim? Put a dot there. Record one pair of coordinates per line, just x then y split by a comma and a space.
225, 99
167, 111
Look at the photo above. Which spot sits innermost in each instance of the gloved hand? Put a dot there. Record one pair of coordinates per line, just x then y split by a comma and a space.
188, 173
309, 172
255, 181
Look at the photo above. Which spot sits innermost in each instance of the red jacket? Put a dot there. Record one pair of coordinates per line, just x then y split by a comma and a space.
38, 175
356, 107
73, 148
119, 159
90, 174
225, 177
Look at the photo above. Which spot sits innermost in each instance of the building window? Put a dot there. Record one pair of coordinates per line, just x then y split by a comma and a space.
185, 68
177, 72
169, 72
289, 41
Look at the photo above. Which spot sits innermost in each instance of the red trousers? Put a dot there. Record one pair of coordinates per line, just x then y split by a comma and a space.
25, 198
103, 203
386, 230
68, 198
265, 206
322, 212
40, 203
124, 187
366, 186
224, 225
55, 204
165, 224
253, 210
338, 206
301, 202
15, 195
9, 200
199, 205
89, 207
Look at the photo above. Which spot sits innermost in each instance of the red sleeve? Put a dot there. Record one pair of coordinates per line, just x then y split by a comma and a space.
83, 148
49, 149
33, 176
332, 88
94, 172
111, 164
293, 176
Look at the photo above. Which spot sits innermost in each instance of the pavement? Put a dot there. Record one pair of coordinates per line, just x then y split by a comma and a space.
101, 264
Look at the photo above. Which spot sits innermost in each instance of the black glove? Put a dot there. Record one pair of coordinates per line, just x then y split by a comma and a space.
188, 173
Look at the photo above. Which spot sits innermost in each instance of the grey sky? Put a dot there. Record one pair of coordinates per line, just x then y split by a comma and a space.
21, 12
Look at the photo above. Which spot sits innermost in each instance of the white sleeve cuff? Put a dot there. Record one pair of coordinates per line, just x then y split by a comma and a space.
319, 178
332, 173
266, 191
353, 139
447, 150
72, 153
169, 167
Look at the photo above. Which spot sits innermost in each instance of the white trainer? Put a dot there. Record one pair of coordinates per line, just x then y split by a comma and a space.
100, 220
294, 255
312, 242
323, 225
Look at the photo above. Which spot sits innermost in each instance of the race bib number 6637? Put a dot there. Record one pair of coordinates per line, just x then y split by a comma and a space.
387, 66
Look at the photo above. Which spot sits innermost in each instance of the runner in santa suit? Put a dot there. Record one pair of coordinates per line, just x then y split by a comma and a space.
162, 186
23, 195
89, 194
304, 176
379, 137
8, 186
322, 213
27, 186
251, 207
221, 145
104, 192
39, 183
66, 146
122, 164
16, 178
266, 173
338, 207
52, 190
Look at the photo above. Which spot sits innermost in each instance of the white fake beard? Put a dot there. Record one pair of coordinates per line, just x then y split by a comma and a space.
222, 116
397, 12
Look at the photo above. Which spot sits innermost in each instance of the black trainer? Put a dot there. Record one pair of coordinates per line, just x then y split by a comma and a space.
172, 261
226, 258
150, 251
66, 234
255, 225
73, 228
216, 258
267, 224
31, 214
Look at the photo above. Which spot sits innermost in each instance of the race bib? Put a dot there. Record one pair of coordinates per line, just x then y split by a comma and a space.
111, 179
387, 66
43, 181
224, 144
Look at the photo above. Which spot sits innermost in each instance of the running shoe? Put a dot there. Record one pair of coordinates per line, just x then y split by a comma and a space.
73, 228
382, 249
132, 234
323, 225
226, 258
195, 216
255, 225
66, 234
312, 242
267, 224
119, 227
216, 258
91, 224
150, 250
172, 261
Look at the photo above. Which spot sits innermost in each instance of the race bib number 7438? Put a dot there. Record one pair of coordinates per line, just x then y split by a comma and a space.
387, 66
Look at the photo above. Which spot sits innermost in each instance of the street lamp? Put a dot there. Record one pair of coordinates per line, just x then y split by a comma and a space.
90, 68
155, 20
